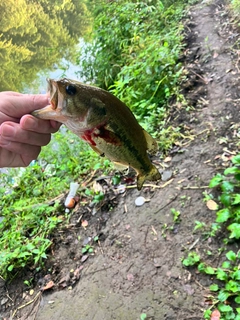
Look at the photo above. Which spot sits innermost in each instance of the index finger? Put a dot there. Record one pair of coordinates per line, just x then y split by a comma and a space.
15, 105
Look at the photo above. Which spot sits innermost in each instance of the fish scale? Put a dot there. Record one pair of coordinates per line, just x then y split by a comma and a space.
104, 122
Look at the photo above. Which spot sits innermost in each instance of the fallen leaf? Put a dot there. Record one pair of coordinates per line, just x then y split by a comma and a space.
167, 159
215, 315
212, 205
48, 286
77, 272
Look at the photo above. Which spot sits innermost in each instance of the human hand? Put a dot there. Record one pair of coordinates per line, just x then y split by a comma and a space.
22, 135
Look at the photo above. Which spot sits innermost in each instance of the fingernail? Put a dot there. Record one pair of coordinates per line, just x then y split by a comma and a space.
30, 123
7, 131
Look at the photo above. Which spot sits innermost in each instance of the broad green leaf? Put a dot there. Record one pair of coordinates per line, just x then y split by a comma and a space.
214, 287
225, 199
201, 267
238, 310
226, 264
231, 255
236, 159
215, 181
223, 295
235, 230
191, 259
237, 300
224, 307
223, 215
24, 254
237, 177
209, 270
221, 275
236, 199
232, 286
232, 170
227, 186
207, 314
236, 275
10, 268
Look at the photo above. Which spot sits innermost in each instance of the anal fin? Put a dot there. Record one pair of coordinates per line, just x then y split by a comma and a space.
152, 145
119, 166
97, 150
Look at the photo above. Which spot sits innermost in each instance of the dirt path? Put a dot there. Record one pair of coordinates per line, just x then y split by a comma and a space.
137, 267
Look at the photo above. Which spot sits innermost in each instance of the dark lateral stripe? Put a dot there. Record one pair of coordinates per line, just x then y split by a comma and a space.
133, 150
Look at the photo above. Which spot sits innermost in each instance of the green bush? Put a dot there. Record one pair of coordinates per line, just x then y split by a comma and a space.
135, 54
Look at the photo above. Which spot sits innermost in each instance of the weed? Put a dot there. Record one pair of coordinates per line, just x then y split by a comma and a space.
87, 249
27, 220
226, 277
192, 259
199, 225
176, 215
143, 316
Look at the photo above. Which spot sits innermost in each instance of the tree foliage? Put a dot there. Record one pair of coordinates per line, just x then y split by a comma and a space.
35, 35
135, 53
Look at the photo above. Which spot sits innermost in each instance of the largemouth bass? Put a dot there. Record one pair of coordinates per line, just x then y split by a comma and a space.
104, 122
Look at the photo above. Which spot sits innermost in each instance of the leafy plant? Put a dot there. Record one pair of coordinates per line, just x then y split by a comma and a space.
192, 259
176, 215
226, 277
134, 53
229, 197
143, 316
27, 220
87, 249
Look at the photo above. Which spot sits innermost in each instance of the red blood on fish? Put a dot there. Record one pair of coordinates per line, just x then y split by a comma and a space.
100, 132
87, 136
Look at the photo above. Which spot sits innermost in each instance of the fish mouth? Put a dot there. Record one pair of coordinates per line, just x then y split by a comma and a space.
52, 111
53, 89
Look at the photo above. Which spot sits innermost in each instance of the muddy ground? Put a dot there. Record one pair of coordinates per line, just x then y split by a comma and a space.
136, 265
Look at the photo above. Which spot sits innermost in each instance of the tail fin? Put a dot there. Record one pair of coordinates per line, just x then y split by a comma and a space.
152, 175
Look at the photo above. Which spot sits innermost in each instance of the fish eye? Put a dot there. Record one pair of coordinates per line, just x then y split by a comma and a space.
71, 90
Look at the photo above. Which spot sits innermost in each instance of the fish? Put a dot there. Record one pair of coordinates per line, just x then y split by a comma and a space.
105, 123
